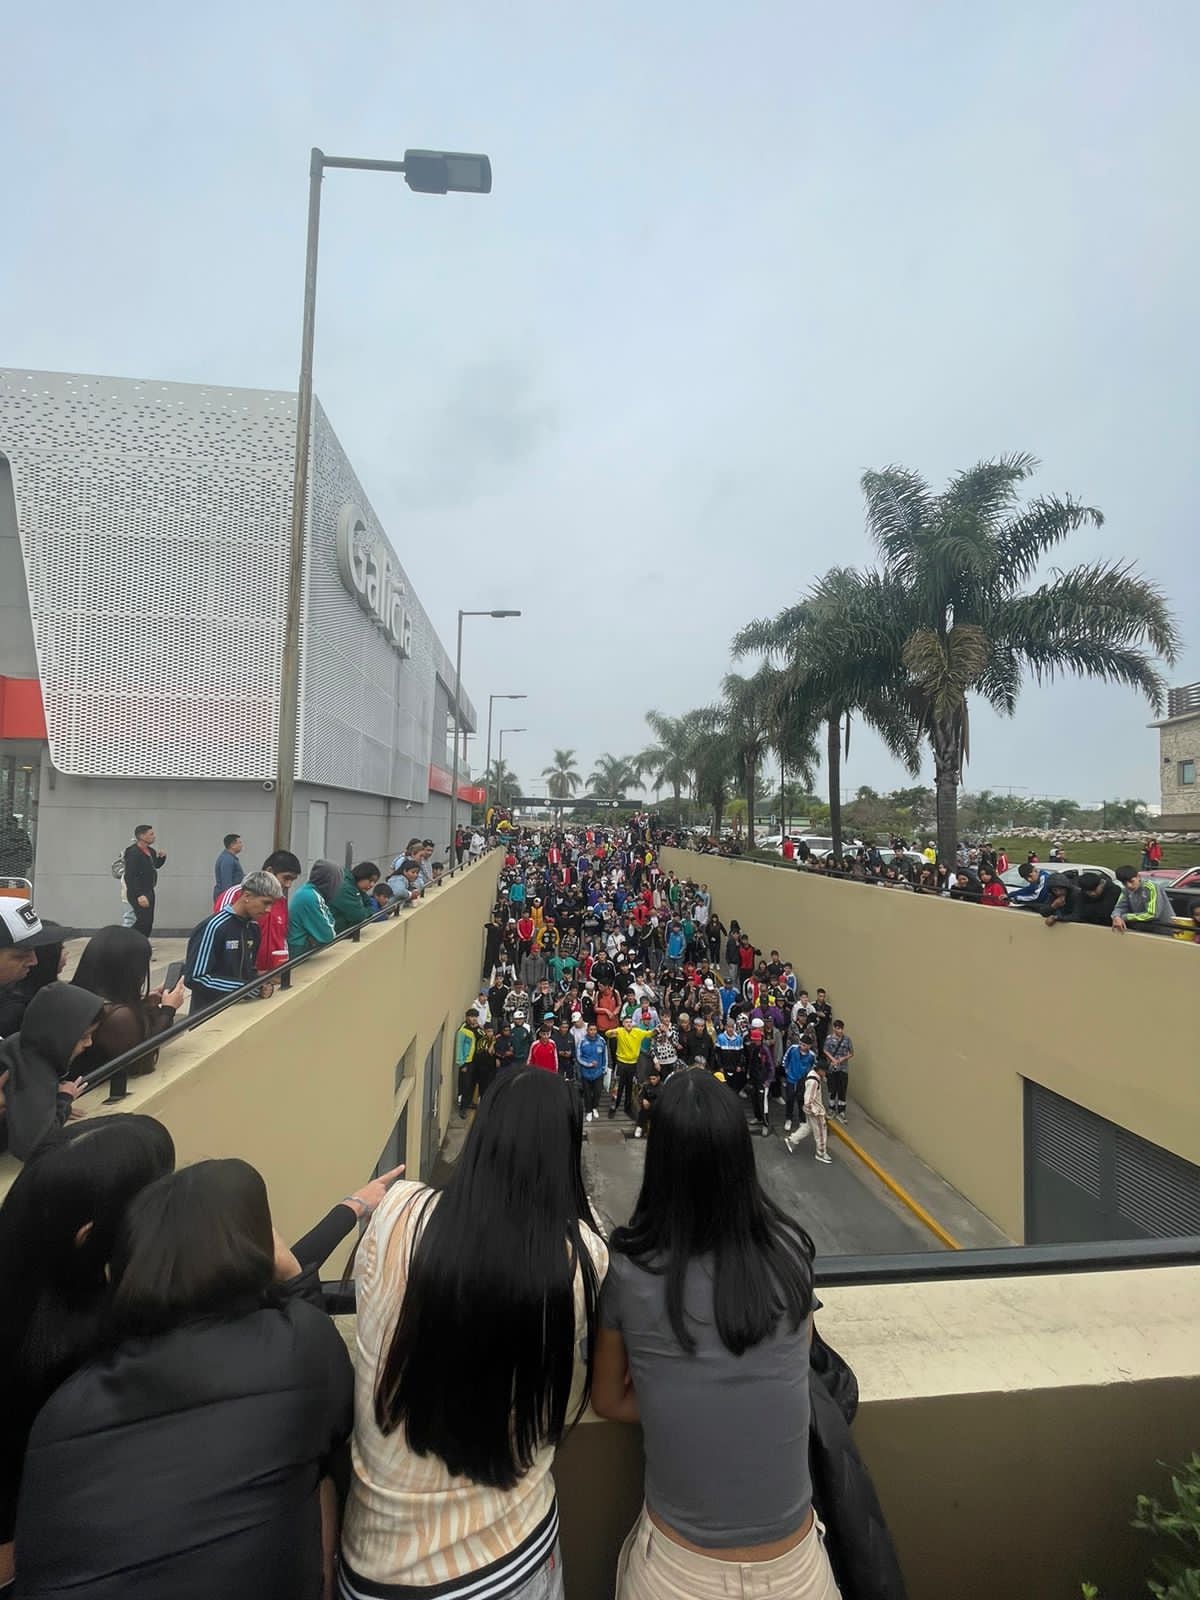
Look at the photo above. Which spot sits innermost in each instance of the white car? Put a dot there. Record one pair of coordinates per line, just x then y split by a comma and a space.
1012, 879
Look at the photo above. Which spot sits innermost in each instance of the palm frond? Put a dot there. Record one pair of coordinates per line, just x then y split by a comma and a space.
1025, 538
899, 508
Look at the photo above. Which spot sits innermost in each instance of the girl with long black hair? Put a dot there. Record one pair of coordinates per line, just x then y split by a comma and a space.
706, 1320
476, 1309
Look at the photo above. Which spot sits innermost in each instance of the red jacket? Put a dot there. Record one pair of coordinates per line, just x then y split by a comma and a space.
994, 893
525, 929
544, 1055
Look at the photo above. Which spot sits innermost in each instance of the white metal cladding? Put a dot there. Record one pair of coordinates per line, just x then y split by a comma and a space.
367, 713
153, 520
153, 524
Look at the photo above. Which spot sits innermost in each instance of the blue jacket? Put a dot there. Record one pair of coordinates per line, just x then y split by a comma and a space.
797, 1063
1033, 892
592, 1056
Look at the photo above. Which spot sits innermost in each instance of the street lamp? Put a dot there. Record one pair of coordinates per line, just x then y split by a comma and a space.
500, 761
487, 766
425, 172
458, 710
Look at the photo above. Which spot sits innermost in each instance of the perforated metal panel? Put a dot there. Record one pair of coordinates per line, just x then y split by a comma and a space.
153, 520
153, 527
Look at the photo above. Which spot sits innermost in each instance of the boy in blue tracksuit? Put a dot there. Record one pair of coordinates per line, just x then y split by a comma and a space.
797, 1064
591, 1053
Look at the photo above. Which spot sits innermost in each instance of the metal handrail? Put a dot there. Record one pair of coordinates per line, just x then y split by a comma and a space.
116, 1071
944, 1266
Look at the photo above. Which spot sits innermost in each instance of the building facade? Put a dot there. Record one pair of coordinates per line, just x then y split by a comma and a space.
1179, 760
143, 574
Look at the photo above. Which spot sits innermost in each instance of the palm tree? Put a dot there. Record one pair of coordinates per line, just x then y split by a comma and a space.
823, 681
613, 775
563, 776
752, 722
669, 759
711, 763
503, 784
952, 617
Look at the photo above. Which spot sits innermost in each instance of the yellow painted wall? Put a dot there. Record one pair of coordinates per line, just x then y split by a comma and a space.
950, 1005
303, 1085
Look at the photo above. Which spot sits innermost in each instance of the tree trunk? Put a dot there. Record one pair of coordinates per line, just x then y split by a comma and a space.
947, 768
751, 780
678, 806
833, 762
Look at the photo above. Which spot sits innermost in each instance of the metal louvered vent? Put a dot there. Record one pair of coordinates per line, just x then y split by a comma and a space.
1066, 1138
153, 524
1157, 1191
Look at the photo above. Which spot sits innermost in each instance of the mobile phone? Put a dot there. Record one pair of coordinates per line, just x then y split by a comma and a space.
174, 973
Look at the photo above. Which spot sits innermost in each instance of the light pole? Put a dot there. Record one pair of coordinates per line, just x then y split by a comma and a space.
425, 172
500, 762
487, 766
458, 711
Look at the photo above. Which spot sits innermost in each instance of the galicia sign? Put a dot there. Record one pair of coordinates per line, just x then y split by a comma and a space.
366, 568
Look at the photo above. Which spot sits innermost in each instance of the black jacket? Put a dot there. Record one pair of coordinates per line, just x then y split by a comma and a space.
1096, 909
860, 1547
37, 1059
141, 872
187, 1466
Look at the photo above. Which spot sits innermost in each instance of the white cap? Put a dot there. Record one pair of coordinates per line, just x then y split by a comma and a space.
577, 1016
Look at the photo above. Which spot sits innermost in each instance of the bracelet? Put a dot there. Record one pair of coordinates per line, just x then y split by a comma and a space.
354, 1202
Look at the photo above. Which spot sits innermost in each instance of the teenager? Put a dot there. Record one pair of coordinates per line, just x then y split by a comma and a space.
705, 1325
188, 1458
797, 1064
815, 1120
451, 1490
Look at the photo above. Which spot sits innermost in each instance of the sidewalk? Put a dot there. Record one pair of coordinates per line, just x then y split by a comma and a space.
965, 1222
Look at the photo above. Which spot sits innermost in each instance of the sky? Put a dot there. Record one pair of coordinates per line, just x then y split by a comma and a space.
733, 258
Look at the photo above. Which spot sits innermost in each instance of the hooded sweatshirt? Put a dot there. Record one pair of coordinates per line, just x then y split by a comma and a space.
309, 919
38, 1058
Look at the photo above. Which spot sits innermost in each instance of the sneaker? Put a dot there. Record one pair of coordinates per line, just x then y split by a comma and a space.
789, 1144
612, 1111
787, 1127
826, 1161
841, 1116
637, 1133
766, 1130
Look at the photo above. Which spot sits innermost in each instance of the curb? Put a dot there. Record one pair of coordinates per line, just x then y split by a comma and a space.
890, 1183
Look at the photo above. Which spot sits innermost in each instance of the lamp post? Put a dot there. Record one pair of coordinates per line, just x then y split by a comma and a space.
500, 760
458, 711
487, 766
425, 172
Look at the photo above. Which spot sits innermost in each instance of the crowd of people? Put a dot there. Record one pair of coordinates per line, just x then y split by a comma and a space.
600, 966
186, 1421
1128, 899
55, 1036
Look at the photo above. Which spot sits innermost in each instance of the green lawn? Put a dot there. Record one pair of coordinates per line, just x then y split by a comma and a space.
1101, 855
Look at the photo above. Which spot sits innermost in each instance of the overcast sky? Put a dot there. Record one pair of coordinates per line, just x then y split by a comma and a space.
733, 257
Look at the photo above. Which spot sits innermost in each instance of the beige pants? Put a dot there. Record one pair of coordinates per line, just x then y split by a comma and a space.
653, 1567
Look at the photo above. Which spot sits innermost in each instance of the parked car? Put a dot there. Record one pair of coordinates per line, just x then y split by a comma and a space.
1012, 879
1188, 878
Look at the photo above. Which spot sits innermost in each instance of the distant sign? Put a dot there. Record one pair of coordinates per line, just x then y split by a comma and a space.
368, 572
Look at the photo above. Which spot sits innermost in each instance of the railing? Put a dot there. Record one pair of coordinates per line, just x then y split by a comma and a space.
116, 1072
944, 1266
1181, 701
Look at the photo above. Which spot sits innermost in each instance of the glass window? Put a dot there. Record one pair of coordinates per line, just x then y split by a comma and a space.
1187, 773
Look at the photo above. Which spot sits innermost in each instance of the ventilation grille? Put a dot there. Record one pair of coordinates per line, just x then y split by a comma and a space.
1066, 1139
1157, 1191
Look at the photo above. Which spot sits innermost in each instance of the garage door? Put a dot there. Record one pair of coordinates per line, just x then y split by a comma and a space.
1086, 1179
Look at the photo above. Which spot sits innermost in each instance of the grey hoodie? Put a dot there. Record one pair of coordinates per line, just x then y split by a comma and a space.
37, 1059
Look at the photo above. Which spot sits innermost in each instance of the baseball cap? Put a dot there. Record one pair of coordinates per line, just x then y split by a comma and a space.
518, 1016
20, 925
708, 983
756, 1027
577, 1016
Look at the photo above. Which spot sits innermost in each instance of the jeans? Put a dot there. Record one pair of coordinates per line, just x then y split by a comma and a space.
653, 1567
839, 1078
591, 1093
546, 1583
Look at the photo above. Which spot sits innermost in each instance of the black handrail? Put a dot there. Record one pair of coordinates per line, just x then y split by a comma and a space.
943, 1266
1008, 1261
116, 1071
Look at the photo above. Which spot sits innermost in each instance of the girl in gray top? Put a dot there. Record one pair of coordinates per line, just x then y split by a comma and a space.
705, 1324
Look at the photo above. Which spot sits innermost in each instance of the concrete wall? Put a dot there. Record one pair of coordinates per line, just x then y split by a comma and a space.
309, 1084
1007, 1426
85, 823
950, 1006
1178, 741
